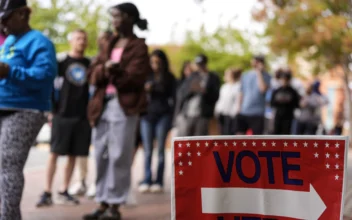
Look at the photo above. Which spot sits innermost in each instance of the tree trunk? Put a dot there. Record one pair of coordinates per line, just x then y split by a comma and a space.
349, 99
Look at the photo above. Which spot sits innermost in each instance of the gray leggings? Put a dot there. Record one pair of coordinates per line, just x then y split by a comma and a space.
17, 134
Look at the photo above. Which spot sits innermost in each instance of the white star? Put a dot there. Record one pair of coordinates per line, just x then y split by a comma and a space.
273, 144
206, 144
337, 166
327, 155
316, 155
264, 144
285, 144
327, 145
226, 144
327, 166
295, 144
179, 145
253, 143
337, 156
244, 144
198, 144
234, 143
189, 154
315, 144
180, 163
188, 144
305, 144
216, 144
199, 154
181, 172
337, 177
337, 145
180, 154
189, 163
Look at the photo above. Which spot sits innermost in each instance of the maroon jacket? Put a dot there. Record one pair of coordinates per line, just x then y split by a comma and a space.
128, 78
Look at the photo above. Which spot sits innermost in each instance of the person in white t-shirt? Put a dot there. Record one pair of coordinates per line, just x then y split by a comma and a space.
228, 104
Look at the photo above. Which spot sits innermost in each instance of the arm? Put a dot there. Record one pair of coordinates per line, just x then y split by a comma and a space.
42, 70
211, 94
273, 101
263, 83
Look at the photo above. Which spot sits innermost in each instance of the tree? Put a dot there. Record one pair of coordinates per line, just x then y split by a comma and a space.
319, 30
57, 18
226, 47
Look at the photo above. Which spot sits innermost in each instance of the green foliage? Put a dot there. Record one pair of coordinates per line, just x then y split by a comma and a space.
57, 18
227, 47
319, 30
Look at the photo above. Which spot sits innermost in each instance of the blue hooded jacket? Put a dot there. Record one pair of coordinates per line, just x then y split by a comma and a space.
33, 67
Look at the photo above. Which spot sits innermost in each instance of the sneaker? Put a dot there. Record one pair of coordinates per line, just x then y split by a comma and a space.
91, 191
45, 200
156, 188
66, 199
78, 189
111, 214
143, 188
94, 215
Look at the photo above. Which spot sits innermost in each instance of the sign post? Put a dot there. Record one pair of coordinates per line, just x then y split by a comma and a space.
258, 177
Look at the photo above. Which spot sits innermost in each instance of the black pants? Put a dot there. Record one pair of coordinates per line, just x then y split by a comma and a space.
227, 125
306, 128
255, 123
282, 125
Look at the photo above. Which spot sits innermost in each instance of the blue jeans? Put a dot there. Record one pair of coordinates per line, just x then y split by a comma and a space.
149, 131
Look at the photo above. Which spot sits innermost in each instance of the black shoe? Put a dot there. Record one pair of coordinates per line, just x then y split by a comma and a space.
94, 215
111, 214
45, 200
66, 199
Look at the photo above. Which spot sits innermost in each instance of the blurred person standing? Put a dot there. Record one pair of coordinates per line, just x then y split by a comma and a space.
228, 105
254, 86
80, 188
27, 71
310, 114
285, 100
186, 72
71, 133
157, 122
198, 96
119, 75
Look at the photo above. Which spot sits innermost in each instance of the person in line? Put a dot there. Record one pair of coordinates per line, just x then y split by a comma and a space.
186, 71
71, 132
285, 100
198, 97
27, 71
254, 86
80, 188
119, 75
310, 105
157, 122
227, 107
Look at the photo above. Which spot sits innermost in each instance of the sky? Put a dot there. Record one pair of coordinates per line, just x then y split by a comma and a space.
170, 19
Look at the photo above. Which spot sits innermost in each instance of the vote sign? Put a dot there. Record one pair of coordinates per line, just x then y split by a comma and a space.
258, 178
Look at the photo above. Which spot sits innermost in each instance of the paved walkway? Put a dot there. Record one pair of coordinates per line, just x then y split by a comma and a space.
148, 207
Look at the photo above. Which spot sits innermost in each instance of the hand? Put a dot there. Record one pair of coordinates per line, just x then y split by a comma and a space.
196, 87
111, 64
4, 70
148, 86
50, 119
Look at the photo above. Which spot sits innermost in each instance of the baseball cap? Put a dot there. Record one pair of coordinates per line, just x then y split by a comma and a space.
201, 59
8, 6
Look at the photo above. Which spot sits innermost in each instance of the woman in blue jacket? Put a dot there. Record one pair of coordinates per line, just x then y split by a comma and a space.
27, 70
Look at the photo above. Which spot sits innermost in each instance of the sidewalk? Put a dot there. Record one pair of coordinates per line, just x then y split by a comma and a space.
148, 207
